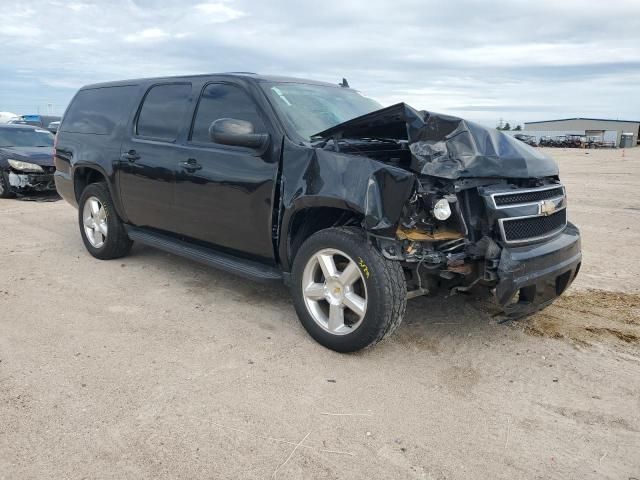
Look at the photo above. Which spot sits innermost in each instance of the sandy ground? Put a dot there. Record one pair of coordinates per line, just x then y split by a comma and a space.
155, 367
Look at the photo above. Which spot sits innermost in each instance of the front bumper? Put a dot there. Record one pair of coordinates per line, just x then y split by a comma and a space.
30, 181
533, 276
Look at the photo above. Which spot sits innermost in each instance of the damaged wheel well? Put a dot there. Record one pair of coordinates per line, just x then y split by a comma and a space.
84, 176
308, 221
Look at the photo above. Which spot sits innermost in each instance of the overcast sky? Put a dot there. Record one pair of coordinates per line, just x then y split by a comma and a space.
484, 60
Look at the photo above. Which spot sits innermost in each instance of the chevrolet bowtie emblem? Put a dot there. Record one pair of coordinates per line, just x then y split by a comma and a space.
546, 207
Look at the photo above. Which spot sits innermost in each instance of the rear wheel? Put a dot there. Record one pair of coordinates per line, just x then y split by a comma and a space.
346, 294
102, 231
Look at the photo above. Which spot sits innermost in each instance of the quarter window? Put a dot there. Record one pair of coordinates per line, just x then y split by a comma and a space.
163, 111
221, 100
99, 110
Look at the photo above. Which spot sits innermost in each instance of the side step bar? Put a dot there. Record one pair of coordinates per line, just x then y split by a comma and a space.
223, 261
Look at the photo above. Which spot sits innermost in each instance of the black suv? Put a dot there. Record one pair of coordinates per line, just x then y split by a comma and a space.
356, 207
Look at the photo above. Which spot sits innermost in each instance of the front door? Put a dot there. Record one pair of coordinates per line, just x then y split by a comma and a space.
224, 194
150, 156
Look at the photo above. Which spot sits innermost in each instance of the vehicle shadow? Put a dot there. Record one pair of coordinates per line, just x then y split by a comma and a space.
201, 279
427, 319
49, 196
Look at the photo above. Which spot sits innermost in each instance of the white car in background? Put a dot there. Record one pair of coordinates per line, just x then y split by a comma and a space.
6, 117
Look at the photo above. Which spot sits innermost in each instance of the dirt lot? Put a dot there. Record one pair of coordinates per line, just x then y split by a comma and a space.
155, 367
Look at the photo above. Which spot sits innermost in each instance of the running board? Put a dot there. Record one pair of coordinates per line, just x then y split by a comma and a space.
223, 261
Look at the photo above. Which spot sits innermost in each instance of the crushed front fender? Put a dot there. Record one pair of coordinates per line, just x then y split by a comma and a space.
313, 177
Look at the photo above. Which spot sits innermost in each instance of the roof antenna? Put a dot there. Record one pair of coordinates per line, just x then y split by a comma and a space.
344, 83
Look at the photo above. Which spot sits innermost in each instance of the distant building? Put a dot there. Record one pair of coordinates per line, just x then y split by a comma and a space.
626, 130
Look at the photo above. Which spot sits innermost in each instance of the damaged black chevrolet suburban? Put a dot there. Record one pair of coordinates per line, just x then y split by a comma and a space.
356, 207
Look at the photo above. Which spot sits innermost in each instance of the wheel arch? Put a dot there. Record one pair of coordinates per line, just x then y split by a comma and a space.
84, 175
306, 220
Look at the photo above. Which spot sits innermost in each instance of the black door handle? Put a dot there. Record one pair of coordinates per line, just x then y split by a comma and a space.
191, 165
131, 155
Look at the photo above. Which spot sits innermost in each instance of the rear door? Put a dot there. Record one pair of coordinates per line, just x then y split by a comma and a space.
150, 155
226, 196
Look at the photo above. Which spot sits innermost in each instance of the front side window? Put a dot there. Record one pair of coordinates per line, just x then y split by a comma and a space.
221, 100
163, 111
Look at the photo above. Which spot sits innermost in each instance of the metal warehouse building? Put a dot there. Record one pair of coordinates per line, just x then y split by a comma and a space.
626, 130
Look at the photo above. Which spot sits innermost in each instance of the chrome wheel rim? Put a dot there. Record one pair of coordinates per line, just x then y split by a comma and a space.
334, 291
94, 218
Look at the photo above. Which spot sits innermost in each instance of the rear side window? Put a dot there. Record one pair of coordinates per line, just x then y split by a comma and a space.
221, 100
163, 111
99, 110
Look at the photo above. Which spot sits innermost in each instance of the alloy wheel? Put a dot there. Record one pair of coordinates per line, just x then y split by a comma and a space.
94, 218
334, 291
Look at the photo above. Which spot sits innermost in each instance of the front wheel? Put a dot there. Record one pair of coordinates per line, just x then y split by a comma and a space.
347, 295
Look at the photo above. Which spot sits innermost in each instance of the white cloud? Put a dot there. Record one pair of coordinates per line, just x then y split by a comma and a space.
483, 60
147, 35
218, 12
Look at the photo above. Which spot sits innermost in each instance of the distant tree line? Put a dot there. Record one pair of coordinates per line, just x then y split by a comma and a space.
507, 126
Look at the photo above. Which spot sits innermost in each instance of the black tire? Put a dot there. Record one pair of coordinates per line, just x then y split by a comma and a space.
117, 243
386, 289
5, 189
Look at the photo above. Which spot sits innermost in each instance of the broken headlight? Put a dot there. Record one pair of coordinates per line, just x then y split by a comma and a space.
25, 166
442, 210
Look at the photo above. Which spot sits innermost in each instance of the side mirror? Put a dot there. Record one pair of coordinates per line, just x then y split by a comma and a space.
239, 133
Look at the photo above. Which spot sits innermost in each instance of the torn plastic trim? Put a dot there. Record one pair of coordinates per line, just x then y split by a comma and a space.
446, 146
35, 181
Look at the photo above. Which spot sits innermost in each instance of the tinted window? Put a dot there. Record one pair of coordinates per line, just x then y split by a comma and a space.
99, 110
224, 101
162, 111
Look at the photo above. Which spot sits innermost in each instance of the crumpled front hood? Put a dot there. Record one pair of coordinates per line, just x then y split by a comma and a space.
42, 156
448, 147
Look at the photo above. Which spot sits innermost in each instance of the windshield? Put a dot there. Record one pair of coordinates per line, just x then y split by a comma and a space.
25, 137
309, 109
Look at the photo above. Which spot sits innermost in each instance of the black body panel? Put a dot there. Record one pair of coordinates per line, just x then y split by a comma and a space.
146, 182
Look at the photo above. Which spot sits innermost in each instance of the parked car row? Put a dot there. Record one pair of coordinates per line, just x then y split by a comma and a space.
575, 141
50, 122
528, 139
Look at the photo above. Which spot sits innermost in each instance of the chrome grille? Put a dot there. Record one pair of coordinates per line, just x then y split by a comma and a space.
530, 196
530, 215
531, 228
